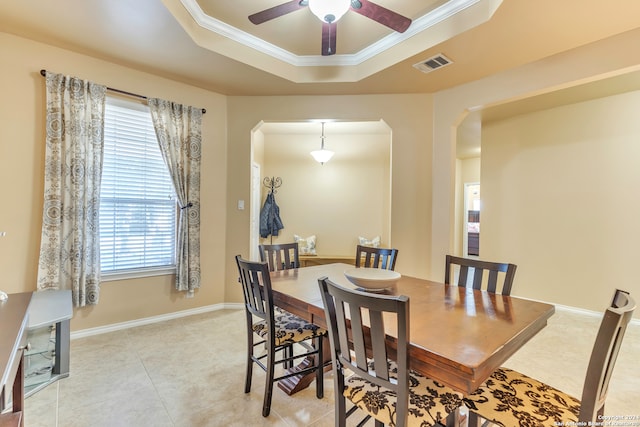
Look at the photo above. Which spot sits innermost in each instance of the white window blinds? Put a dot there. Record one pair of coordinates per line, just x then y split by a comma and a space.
137, 203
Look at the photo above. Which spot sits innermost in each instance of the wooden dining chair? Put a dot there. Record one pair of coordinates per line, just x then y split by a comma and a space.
509, 398
470, 273
382, 386
278, 330
370, 257
282, 256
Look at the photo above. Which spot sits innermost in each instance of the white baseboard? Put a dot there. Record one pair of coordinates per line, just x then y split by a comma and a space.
577, 310
83, 333
590, 313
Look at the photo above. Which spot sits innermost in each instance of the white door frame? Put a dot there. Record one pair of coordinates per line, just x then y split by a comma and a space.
254, 233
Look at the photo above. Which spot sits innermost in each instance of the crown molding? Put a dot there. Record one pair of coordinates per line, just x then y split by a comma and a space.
444, 22
425, 22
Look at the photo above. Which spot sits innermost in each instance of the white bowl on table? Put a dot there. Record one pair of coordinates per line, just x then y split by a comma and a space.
372, 279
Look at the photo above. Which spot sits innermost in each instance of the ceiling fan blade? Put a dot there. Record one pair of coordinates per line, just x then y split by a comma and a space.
380, 14
277, 11
329, 38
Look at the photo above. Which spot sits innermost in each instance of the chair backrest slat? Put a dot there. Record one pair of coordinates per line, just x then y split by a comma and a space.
357, 335
378, 344
371, 257
341, 325
604, 355
283, 256
493, 281
477, 279
256, 287
468, 266
462, 278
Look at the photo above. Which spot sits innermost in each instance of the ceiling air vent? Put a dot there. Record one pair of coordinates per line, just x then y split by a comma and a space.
433, 63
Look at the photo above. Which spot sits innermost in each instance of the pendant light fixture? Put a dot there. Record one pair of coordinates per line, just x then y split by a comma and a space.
322, 155
329, 11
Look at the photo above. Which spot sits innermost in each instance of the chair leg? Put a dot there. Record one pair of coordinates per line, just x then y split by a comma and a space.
268, 386
340, 411
319, 369
474, 419
453, 419
247, 382
287, 352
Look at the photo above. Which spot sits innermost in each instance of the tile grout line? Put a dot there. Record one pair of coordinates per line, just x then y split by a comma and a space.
155, 388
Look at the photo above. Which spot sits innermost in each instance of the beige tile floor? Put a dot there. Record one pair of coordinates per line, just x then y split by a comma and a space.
189, 372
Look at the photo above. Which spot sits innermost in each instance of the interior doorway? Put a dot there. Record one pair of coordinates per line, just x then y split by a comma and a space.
363, 151
471, 228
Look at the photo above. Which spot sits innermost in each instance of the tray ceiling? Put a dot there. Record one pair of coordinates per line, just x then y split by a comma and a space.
289, 46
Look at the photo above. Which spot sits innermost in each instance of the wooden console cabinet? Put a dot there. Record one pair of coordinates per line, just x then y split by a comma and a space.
48, 335
309, 260
13, 339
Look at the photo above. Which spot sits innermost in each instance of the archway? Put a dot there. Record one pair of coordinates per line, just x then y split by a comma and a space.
339, 201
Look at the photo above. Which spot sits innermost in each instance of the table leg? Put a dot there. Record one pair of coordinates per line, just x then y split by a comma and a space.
62, 349
295, 383
18, 391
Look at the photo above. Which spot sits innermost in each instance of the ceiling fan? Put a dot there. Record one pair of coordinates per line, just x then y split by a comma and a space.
330, 11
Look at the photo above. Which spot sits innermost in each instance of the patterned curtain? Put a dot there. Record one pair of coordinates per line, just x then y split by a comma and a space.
178, 129
70, 243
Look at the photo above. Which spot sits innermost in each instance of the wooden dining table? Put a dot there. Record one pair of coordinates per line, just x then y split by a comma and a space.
459, 336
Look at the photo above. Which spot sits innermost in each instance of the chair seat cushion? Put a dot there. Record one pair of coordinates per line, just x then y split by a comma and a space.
429, 401
289, 328
509, 398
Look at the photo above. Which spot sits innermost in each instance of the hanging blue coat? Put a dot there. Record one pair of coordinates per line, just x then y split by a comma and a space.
270, 222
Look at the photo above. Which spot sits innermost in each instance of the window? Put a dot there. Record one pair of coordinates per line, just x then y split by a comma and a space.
137, 202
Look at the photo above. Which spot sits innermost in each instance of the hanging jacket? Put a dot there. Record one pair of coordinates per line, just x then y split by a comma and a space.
270, 222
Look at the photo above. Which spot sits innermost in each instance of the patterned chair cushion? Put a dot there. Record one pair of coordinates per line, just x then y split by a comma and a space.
429, 401
509, 398
289, 328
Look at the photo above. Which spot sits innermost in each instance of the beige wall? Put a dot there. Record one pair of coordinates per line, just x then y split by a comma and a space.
560, 199
451, 106
408, 116
22, 118
345, 198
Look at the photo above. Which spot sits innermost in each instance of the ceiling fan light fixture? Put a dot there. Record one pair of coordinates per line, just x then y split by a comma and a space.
322, 155
329, 10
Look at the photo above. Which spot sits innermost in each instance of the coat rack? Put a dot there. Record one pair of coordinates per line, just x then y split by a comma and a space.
272, 183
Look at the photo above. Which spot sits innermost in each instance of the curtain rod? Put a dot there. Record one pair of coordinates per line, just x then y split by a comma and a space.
123, 92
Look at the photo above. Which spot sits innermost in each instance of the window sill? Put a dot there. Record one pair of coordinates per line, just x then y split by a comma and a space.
138, 273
